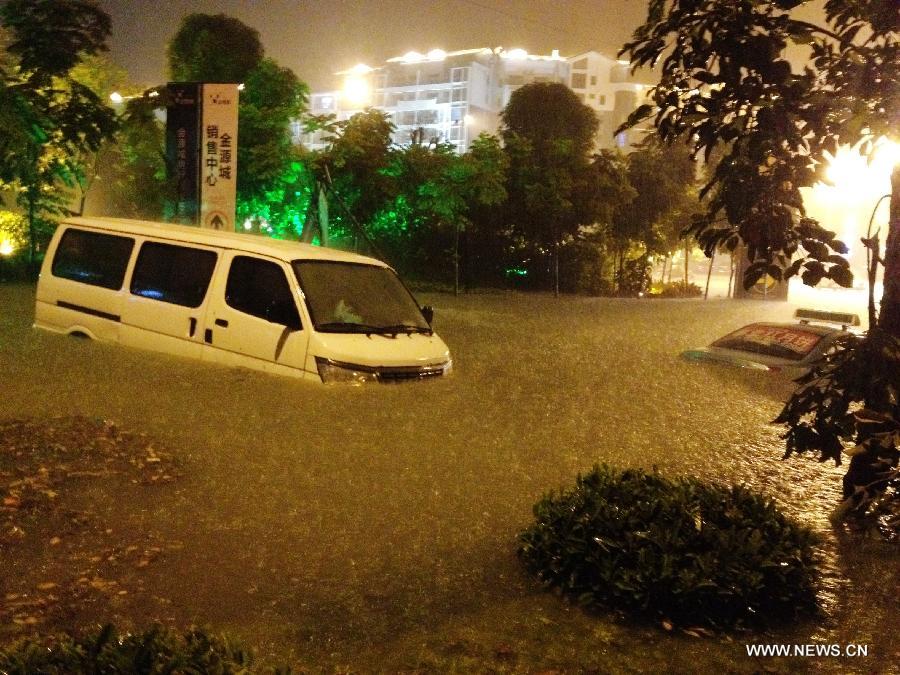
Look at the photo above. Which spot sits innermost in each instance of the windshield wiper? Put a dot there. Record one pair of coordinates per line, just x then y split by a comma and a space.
348, 327
368, 329
405, 328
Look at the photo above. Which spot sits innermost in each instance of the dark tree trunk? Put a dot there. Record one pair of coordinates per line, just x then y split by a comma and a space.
889, 319
456, 261
556, 268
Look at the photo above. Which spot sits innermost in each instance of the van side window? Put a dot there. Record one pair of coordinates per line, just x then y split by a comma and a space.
260, 288
176, 274
92, 258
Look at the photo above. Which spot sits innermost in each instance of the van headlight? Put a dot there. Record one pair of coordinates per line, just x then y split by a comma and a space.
347, 373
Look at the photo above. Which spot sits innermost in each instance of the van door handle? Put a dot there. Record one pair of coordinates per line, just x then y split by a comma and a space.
193, 326
222, 322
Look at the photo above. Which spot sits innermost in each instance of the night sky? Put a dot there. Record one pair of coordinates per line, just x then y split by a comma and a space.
315, 38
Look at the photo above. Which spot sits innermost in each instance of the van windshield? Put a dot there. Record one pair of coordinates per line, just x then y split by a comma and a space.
357, 298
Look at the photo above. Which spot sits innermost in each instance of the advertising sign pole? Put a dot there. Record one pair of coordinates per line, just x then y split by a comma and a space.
218, 156
182, 143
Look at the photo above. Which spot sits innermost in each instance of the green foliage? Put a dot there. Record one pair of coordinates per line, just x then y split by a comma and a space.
682, 550
101, 75
664, 179
439, 193
13, 245
136, 163
281, 209
357, 167
51, 36
676, 289
272, 97
728, 90
156, 650
824, 415
726, 86
548, 135
50, 119
583, 269
213, 48
484, 240
633, 277
546, 113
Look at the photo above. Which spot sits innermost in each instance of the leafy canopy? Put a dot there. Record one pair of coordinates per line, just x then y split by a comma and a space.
213, 48
728, 89
548, 134
51, 36
51, 120
726, 84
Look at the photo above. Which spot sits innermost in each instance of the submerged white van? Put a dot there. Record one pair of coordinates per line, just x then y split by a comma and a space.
236, 299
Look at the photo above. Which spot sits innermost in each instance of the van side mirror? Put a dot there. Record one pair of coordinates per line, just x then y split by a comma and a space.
428, 313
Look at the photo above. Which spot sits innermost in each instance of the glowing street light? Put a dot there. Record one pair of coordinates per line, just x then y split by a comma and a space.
857, 177
854, 185
356, 90
118, 98
6, 247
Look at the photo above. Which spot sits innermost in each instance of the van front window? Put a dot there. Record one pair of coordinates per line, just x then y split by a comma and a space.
357, 298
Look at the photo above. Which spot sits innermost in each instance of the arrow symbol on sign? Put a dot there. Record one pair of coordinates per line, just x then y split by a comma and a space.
217, 222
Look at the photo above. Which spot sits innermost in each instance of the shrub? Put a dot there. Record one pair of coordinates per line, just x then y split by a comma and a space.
676, 289
157, 650
690, 552
633, 279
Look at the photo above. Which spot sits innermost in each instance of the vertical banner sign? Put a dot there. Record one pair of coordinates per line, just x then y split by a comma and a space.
182, 126
218, 156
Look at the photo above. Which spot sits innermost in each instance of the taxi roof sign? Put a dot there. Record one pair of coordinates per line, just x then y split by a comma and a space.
843, 318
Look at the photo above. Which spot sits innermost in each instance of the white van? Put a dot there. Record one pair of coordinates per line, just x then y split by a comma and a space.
236, 299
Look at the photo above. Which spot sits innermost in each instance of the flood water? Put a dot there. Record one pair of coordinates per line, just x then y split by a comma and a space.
370, 527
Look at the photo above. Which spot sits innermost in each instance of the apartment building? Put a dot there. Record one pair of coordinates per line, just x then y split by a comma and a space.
454, 96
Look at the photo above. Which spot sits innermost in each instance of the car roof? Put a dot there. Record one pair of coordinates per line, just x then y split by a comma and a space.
253, 243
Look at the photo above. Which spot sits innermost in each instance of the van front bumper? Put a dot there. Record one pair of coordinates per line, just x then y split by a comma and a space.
354, 373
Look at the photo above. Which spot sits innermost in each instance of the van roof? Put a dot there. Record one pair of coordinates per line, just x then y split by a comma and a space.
277, 248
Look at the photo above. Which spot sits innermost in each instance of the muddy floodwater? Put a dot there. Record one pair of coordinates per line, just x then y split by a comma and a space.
373, 528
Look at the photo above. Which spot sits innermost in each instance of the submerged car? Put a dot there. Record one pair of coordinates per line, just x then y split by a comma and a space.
792, 347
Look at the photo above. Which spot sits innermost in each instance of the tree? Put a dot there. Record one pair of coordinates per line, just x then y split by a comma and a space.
438, 191
273, 190
483, 238
548, 133
356, 167
50, 119
273, 96
136, 163
608, 191
213, 48
102, 76
726, 85
664, 177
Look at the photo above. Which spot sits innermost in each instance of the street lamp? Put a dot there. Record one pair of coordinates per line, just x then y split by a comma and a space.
356, 90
